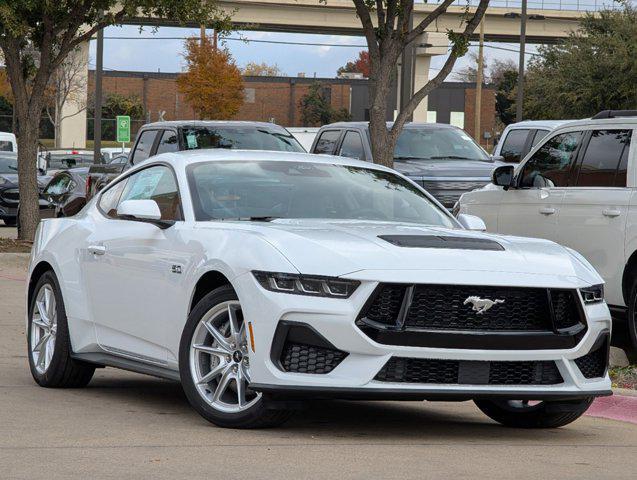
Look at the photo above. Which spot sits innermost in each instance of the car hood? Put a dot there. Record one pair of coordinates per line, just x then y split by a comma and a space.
9, 178
339, 248
446, 168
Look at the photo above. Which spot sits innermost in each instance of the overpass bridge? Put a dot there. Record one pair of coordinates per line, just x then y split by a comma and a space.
338, 17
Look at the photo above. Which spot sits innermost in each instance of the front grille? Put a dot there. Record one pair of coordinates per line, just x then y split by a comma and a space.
10, 195
443, 307
594, 363
418, 370
445, 185
301, 358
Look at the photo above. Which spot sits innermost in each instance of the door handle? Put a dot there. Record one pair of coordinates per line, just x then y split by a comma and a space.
610, 212
97, 249
547, 210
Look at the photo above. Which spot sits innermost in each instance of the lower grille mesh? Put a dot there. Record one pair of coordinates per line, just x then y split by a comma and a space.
594, 364
301, 358
418, 370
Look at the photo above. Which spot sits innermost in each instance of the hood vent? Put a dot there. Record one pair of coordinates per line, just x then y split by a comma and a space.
438, 241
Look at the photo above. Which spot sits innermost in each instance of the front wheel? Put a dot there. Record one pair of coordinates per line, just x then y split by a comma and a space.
530, 414
631, 323
214, 365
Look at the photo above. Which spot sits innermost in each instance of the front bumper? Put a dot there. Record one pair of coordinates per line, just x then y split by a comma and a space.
356, 374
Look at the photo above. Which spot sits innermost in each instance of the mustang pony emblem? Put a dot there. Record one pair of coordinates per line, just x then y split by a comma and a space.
481, 305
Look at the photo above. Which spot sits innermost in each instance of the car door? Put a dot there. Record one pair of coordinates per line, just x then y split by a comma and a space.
132, 268
594, 210
532, 208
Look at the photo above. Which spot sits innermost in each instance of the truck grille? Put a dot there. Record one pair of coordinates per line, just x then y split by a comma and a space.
460, 372
448, 192
10, 195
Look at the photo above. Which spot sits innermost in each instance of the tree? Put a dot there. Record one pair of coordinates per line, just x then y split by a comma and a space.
262, 69
387, 35
66, 85
116, 104
316, 110
360, 65
594, 69
36, 37
212, 83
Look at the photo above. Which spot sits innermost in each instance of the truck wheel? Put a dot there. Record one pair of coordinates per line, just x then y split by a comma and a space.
526, 414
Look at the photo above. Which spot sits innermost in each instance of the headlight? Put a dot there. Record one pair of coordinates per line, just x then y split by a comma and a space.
593, 294
306, 284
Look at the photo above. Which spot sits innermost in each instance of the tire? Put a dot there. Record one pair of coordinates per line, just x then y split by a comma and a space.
10, 222
517, 414
631, 323
51, 364
203, 372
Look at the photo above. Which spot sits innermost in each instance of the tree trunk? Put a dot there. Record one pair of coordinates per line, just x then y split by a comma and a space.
27, 137
381, 142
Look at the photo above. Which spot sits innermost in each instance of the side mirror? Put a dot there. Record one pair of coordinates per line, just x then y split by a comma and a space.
471, 222
503, 176
142, 211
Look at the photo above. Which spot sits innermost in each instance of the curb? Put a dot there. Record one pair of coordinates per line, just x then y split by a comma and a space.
622, 406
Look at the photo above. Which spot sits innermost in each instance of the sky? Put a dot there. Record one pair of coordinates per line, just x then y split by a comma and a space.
126, 48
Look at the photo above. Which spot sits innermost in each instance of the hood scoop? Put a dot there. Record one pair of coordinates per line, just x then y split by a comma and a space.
439, 241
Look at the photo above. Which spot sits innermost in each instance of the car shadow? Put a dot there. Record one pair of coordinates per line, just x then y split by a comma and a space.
373, 421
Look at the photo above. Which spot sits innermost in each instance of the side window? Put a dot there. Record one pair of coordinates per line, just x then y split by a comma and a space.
168, 142
601, 164
352, 146
513, 145
155, 183
58, 186
550, 165
327, 142
539, 135
110, 198
144, 146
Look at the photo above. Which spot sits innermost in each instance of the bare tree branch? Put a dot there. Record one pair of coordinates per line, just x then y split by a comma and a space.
420, 28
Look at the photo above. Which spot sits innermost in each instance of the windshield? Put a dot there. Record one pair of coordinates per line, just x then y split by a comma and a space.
241, 190
57, 161
8, 164
437, 144
240, 138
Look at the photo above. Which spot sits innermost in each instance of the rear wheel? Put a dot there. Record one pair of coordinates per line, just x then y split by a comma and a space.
10, 222
530, 414
48, 339
215, 368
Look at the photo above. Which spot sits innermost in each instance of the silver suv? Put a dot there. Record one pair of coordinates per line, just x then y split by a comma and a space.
441, 158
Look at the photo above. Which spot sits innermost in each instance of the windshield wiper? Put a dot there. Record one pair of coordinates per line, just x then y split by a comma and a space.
264, 218
412, 158
452, 157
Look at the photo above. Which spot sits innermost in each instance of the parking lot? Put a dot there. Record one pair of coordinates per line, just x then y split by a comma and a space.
126, 425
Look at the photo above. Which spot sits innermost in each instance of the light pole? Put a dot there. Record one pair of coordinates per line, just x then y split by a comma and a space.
520, 98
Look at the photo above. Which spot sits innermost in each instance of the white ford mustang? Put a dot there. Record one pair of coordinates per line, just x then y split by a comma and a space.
255, 278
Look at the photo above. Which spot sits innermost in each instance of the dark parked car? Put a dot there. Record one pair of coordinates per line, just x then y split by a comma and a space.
161, 137
65, 194
9, 195
441, 158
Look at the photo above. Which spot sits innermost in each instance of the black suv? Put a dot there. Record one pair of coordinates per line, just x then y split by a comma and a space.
441, 158
162, 137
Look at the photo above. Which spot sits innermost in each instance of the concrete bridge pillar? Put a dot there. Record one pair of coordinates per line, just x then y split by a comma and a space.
72, 132
428, 45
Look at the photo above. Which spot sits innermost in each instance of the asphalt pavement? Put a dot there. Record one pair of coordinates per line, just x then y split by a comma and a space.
125, 425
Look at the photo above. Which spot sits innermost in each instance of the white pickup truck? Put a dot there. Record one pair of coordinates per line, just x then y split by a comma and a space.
578, 187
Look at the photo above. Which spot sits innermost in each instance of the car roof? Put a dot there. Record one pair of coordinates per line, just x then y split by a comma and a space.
211, 123
188, 157
389, 124
551, 124
602, 122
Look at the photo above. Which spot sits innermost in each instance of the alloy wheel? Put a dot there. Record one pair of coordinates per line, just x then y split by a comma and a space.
219, 362
43, 328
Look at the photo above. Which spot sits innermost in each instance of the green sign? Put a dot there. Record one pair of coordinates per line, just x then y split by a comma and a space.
123, 128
